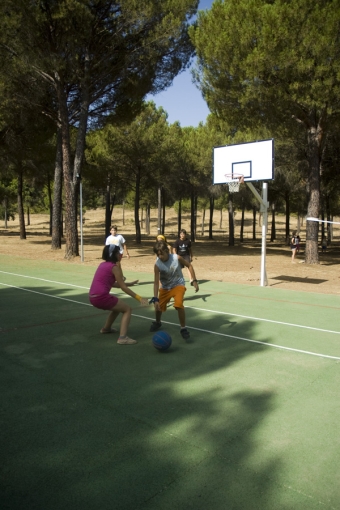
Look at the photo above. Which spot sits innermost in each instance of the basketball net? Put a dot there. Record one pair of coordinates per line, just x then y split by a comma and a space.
234, 181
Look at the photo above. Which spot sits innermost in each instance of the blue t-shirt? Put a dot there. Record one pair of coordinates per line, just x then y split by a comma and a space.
170, 272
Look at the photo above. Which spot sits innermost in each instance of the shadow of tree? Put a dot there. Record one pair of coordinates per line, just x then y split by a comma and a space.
92, 424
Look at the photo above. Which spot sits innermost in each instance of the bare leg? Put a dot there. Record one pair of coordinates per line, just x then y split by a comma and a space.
181, 316
158, 316
109, 321
125, 310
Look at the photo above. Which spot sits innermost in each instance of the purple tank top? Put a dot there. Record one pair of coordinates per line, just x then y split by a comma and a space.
103, 279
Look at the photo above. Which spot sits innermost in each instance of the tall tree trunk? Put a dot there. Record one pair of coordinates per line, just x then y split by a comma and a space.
137, 200
112, 204
57, 220
203, 219
322, 224
147, 220
273, 232
50, 202
159, 211
287, 200
71, 249
179, 221
193, 218
21, 213
315, 142
163, 211
329, 225
108, 206
242, 221
195, 214
5, 209
211, 207
254, 223
231, 220
72, 173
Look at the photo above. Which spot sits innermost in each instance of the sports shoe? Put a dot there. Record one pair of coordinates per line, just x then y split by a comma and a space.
185, 333
126, 341
155, 325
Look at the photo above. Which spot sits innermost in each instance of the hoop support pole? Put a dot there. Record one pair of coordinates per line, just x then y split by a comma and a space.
264, 281
264, 204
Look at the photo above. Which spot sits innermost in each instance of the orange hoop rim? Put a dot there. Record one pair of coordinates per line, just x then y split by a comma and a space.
234, 178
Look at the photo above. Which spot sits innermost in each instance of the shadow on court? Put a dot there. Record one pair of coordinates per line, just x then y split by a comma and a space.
297, 279
89, 424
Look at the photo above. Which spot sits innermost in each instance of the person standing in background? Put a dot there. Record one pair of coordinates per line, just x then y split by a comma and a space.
117, 239
182, 247
293, 245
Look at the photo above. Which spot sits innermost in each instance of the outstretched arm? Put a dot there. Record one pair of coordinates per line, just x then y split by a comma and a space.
116, 270
128, 284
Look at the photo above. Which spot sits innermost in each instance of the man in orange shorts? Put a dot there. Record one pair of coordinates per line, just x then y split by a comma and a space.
168, 272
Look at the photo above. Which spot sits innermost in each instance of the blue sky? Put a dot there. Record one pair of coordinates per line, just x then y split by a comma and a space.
183, 101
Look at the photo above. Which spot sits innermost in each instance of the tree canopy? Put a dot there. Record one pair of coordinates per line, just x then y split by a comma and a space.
274, 63
97, 58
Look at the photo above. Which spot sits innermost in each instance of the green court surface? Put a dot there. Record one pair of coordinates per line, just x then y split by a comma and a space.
245, 416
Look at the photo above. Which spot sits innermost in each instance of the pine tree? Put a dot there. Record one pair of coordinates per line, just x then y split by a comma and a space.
98, 58
274, 63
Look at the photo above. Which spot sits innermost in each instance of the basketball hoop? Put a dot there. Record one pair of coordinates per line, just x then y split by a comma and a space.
234, 180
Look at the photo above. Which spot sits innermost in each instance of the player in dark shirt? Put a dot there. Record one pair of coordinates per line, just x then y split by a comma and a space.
183, 248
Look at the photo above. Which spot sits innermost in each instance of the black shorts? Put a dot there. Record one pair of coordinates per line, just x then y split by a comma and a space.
185, 257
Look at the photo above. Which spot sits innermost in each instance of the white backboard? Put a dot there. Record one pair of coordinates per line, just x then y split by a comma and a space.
255, 160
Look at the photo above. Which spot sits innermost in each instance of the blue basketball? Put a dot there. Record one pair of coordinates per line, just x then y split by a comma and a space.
161, 340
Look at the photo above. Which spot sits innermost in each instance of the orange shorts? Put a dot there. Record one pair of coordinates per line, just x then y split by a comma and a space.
177, 293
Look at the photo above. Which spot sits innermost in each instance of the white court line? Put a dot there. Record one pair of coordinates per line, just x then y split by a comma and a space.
186, 306
191, 327
249, 340
43, 294
266, 320
43, 280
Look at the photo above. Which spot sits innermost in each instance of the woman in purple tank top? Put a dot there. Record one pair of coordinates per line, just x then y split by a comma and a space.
108, 275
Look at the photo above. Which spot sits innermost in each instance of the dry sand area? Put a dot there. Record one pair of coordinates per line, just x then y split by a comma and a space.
213, 259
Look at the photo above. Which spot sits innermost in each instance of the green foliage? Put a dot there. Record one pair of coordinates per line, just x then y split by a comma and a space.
268, 60
91, 60
130, 154
185, 206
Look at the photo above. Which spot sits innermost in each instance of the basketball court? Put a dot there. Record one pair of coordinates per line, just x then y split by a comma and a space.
245, 416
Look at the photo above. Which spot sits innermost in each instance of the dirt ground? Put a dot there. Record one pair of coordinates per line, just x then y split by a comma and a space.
213, 259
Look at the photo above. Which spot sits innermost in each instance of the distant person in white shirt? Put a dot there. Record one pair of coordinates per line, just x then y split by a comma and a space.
118, 240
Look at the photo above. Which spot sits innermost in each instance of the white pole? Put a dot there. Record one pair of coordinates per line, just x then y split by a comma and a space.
81, 221
264, 211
